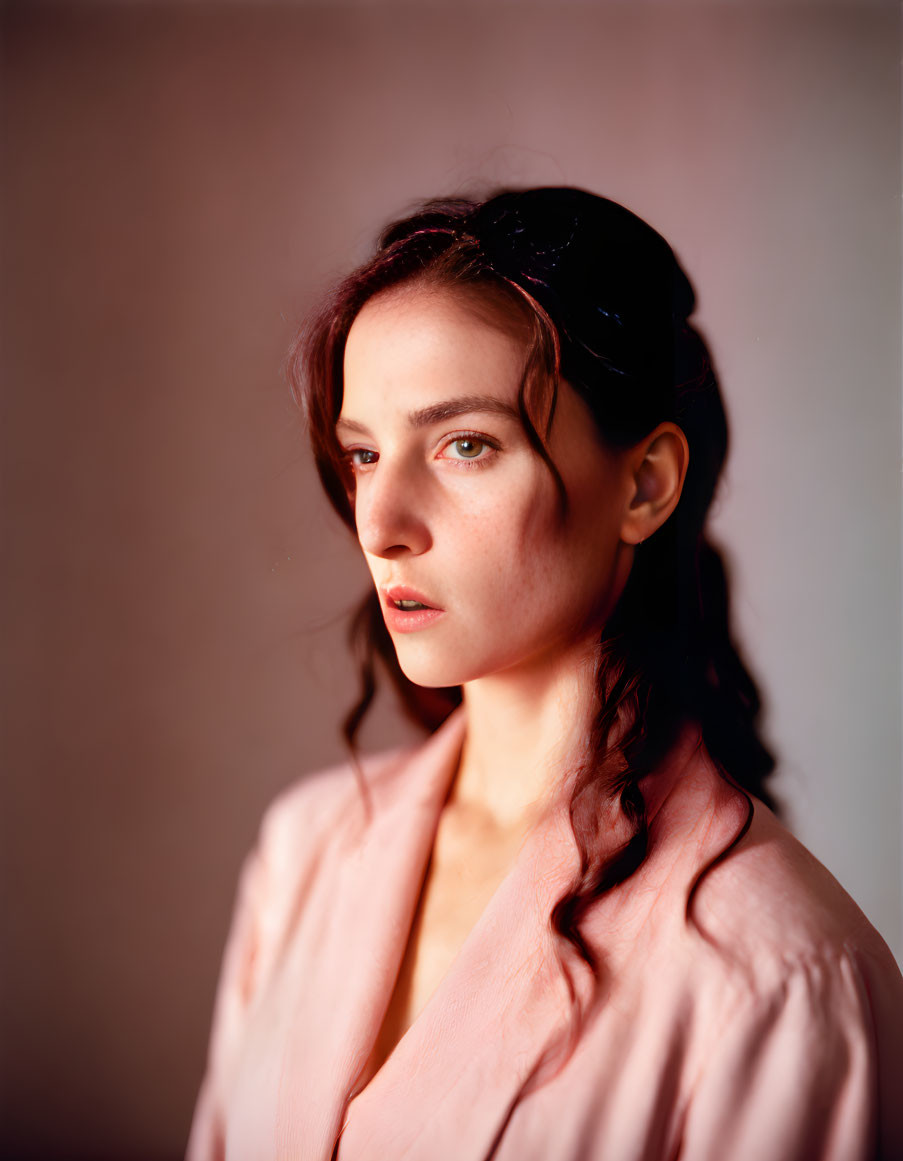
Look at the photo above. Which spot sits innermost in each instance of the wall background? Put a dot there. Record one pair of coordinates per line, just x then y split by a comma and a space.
181, 184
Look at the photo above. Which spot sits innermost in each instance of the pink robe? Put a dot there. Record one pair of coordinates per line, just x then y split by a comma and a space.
765, 1024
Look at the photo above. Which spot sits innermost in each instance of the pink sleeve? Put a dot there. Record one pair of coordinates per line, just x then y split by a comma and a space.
233, 995
793, 1074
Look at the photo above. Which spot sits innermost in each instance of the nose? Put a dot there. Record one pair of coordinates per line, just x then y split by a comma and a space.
389, 511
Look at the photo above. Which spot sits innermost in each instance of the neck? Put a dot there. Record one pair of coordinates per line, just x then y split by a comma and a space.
525, 729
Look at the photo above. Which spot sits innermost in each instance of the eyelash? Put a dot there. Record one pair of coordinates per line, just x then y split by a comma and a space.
476, 436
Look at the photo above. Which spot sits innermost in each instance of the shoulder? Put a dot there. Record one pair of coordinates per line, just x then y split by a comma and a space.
770, 900
304, 832
790, 942
325, 804
806, 977
337, 804
803, 999
750, 886
747, 909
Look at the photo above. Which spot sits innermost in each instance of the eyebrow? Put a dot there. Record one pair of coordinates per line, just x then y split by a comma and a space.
447, 409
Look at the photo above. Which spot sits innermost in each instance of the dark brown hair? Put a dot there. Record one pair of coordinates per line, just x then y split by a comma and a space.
608, 306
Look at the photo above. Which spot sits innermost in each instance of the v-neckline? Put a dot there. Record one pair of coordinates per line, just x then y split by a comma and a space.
358, 1092
439, 793
449, 1034
357, 1098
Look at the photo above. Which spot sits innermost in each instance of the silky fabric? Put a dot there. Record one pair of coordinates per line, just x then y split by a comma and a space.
744, 1008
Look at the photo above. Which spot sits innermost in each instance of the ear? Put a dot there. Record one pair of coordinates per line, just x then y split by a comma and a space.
657, 468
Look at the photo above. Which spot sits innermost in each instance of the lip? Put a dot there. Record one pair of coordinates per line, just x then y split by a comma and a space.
404, 621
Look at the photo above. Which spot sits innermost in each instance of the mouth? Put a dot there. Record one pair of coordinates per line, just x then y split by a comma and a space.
407, 600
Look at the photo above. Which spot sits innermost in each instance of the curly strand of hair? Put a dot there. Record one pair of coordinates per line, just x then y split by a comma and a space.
606, 775
359, 641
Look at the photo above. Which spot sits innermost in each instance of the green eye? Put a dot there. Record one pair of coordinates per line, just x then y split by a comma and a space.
468, 449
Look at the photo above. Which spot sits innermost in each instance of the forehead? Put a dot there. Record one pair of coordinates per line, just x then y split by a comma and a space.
420, 342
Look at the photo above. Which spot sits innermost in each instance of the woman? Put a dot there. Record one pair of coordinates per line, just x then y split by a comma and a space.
568, 925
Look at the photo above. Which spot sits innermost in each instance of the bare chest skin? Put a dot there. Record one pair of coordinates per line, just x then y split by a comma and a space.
468, 863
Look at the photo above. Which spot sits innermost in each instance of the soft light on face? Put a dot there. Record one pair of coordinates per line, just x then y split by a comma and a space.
453, 503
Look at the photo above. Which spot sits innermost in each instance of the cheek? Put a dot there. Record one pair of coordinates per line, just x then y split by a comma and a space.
512, 546
559, 572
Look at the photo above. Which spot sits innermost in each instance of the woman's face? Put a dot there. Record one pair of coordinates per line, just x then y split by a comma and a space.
455, 510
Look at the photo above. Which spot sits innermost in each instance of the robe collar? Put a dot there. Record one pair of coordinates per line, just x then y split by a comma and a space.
498, 1020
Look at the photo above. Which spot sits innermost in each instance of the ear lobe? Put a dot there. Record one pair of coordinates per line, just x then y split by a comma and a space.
658, 465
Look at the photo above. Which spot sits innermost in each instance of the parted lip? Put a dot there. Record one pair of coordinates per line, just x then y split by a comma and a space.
405, 593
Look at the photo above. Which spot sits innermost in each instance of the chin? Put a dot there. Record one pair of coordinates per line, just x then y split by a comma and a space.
436, 668
432, 675
432, 667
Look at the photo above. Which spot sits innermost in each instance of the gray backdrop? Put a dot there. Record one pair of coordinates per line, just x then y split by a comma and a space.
181, 184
